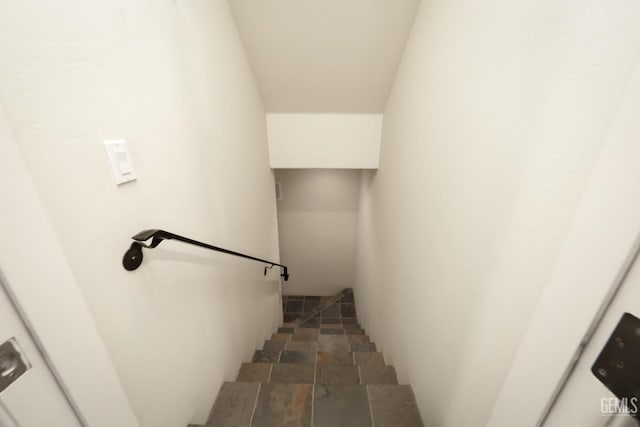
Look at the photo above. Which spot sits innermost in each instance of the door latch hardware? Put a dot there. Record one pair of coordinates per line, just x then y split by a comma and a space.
12, 363
618, 364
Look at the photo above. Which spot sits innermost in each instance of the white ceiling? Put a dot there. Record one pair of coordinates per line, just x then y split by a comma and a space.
324, 56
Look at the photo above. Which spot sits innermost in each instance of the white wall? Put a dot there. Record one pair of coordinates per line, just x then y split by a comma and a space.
600, 245
496, 118
37, 275
170, 77
330, 141
317, 224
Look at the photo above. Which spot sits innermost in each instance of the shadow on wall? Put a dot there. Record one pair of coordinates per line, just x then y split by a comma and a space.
317, 225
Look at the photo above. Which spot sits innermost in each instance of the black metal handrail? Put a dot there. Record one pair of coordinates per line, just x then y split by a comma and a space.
133, 257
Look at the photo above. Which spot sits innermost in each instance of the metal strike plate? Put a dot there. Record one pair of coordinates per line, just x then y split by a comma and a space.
12, 363
618, 365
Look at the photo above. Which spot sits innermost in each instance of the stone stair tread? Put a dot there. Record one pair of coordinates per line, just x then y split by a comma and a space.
292, 373
320, 370
301, 357
283, 405
394, 406
322, 373
302, 346
330, 405
270, 345
337, 374
288, 328
369, 346
333, 343
335, 357
234, 405
363, 358
254, 372
266, 356
378, 375
341, 406
368, 358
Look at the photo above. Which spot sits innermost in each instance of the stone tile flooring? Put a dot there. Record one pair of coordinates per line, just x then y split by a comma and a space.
319, 371
332, 310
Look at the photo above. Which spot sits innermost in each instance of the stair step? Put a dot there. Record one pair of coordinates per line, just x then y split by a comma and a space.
302, 346
270, 345
311, 357
335, 357
337, 374
325, 343
280, 344
334, 343
299, 357
341, 405
289, 328
368, 346
368, 358
266, 356
378, 375
293, 373
393, 405
234, 405
283, 405
254, 372
321, 373
330, 405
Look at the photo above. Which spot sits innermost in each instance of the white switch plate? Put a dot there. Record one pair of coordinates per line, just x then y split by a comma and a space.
120, 160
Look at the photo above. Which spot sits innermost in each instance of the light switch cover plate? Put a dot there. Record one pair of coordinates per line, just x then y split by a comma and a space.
120, 160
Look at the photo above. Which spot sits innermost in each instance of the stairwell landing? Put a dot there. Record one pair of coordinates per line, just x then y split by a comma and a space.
319, 369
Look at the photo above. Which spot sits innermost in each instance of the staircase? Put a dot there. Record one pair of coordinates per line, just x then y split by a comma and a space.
319, 370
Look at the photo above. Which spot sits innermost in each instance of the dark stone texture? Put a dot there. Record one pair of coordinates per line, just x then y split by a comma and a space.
234, 404
335, 357
254, 372
264, 356
302, 346
368, 359
330, 321
348, 298
280, 337
282, 405
378, 375
368, 346
305, 336
274, 345
292, 373
333, 343
290, 317
341, 406
357, 339
294, 306
337, 374
347, 310
332, 311
311, 323
310, 305
331, 331
303, 357
394, 406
